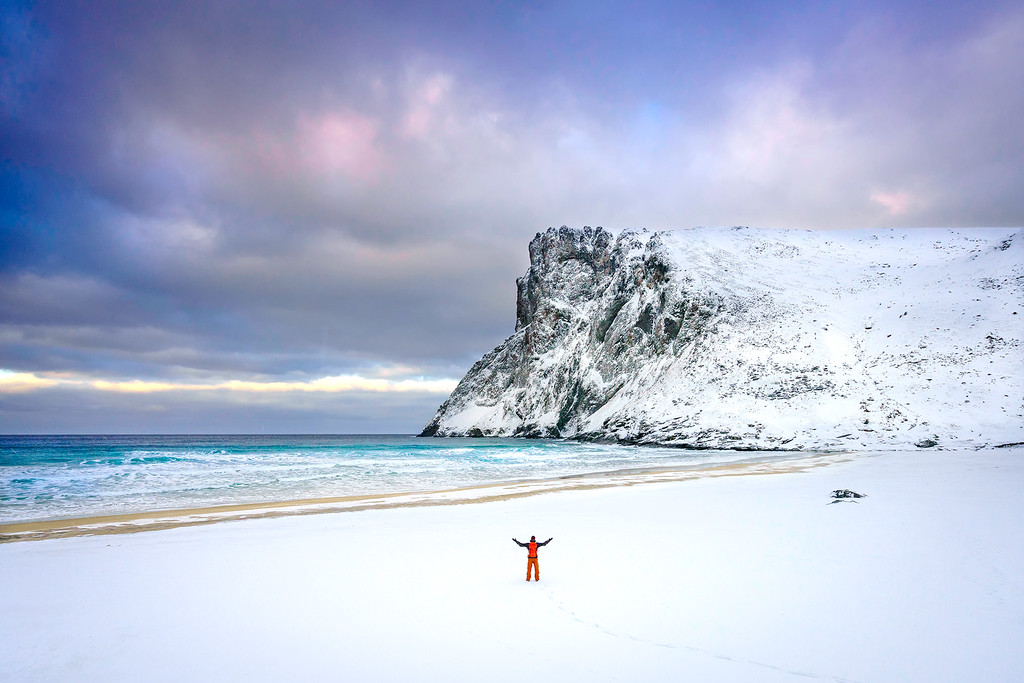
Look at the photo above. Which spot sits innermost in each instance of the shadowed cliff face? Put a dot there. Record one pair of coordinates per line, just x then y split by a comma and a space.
564, 264
744, 339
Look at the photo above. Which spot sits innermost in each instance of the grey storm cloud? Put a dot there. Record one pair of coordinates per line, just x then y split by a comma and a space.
274, 191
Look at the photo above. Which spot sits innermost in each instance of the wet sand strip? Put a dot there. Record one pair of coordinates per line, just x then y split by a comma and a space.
485, 493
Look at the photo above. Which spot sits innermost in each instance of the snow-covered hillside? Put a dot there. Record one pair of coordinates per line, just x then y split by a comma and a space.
761, 339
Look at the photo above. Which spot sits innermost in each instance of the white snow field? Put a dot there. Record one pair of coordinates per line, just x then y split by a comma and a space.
724, 578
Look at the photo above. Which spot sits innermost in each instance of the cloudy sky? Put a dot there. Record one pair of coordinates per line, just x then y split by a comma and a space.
308, 217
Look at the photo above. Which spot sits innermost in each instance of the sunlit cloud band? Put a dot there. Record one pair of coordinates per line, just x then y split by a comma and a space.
17, 382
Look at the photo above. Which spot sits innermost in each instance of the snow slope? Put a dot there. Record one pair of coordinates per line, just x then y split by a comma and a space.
741, 578
761, 339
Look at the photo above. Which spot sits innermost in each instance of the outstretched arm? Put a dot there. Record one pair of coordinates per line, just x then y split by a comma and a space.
546, 542
521, 545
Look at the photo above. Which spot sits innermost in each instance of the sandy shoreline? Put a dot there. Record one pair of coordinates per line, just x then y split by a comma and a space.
168, 519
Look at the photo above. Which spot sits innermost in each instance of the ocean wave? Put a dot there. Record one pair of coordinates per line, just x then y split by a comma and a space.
54, 477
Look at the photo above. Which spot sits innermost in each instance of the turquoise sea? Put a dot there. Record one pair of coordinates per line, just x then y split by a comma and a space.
54, 477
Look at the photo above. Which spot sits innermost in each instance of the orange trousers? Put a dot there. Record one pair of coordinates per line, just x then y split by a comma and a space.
531, 563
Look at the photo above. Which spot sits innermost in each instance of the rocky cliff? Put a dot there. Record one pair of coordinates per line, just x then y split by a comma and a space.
760, 339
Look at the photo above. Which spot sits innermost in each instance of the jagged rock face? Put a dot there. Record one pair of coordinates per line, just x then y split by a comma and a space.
742, 338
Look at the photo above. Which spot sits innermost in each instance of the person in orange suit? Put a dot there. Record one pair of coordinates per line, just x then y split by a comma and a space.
531, 556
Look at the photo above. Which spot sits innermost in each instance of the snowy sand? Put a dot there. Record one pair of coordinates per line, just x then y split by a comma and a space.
733, 578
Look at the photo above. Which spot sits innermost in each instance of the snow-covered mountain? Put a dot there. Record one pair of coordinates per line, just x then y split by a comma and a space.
761, 339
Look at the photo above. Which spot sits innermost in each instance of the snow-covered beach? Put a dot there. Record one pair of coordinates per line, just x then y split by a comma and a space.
758, 576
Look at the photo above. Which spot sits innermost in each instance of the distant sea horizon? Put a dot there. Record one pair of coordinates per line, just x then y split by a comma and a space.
60, 476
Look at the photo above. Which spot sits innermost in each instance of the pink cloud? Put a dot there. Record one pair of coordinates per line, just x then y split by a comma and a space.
896, 203
342, 142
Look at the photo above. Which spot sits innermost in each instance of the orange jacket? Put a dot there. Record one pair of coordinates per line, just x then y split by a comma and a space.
532, 546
